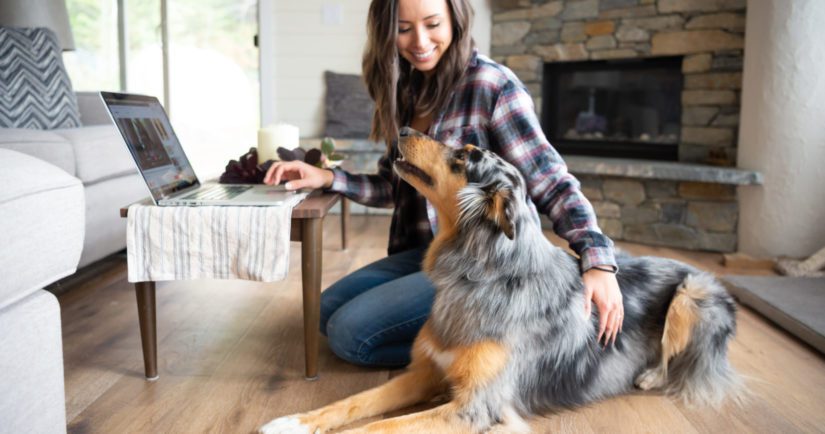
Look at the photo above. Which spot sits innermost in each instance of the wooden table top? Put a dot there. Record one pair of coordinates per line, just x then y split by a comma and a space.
316, 205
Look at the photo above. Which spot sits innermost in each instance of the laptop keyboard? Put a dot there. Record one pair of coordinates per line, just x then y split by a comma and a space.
218, 192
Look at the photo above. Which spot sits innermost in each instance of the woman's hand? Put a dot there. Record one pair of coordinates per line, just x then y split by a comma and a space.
602, 288
299, 175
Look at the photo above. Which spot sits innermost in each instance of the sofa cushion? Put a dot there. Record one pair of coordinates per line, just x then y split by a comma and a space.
45, 145
348, 106
105, 229
31, 366
42, 222
100, 153
35, 91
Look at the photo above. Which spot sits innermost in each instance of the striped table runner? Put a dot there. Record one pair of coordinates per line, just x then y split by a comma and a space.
209, 242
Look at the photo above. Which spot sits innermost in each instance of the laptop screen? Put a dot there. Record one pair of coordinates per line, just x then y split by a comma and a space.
152, 142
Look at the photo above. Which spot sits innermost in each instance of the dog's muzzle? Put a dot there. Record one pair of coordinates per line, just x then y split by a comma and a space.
403, 167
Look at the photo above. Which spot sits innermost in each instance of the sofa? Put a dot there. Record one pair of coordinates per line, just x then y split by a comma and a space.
41, 219
62, 188
96, 155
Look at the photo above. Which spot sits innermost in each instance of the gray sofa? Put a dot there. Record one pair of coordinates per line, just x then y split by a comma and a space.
59, 202
96, 155
41, 219
64, 174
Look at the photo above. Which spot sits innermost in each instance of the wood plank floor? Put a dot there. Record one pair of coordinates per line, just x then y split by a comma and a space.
231, 358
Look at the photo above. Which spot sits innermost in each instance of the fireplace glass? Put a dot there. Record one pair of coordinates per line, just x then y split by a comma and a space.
625, 108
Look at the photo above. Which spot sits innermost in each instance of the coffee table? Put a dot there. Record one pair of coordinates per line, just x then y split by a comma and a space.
307, 228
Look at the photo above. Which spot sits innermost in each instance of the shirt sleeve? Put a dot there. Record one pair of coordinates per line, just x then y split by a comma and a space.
516, 132
370, 190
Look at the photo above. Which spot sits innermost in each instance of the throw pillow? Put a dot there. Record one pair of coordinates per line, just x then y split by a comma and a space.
35, 91
349, 108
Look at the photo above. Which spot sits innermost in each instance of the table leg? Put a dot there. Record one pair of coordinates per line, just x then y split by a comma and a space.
312, 233
145, 292
344, 221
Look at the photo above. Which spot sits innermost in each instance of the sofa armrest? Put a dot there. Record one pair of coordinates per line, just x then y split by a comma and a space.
92, 109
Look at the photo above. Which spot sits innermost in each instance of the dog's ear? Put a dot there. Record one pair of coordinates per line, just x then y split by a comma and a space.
500, 210
493, 203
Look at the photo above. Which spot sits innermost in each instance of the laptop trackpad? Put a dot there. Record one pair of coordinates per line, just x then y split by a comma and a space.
266, 194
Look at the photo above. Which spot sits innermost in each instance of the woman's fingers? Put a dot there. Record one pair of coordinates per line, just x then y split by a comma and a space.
279, 172
269, 178
282, 170
268, 174
608, 328
298, 174
610, 323
298, 181
605, 293
603, 317
621, 320
614, 325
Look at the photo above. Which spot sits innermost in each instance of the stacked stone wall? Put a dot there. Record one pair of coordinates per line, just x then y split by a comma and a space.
526, 34
688, 215
710, 36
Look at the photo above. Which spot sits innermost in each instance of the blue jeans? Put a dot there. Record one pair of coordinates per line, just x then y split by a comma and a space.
372, 315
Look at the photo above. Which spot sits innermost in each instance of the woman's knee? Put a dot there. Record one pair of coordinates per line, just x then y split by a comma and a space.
342, 333
329, 304
373, 275
356, 338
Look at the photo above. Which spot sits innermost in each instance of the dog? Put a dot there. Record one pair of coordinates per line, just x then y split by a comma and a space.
507, 337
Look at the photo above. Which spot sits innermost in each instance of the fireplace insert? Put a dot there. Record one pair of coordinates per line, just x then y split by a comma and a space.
614, 108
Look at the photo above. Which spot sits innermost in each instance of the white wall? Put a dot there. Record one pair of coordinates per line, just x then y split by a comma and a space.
297, 47
782, 131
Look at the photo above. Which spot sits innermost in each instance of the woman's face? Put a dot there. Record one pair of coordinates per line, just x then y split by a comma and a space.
425, 31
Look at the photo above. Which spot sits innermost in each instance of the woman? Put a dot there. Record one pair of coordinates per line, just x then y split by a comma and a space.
422, 71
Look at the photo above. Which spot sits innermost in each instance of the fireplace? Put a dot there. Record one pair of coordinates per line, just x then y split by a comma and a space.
639, 81
614, 108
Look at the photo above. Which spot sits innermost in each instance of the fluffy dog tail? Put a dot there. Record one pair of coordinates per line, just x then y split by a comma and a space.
700, 322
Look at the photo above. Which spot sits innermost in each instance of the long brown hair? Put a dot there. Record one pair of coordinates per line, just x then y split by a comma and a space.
400, 91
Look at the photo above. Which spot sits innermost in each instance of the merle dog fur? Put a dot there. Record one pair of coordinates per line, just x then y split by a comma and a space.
528, 294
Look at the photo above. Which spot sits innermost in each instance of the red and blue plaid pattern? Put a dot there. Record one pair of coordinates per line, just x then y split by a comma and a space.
491, 109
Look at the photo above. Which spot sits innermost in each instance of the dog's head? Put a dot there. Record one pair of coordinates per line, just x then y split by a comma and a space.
470, 186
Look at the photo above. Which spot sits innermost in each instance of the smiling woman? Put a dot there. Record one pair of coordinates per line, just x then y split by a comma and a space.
424, 33
422, 70
433, 44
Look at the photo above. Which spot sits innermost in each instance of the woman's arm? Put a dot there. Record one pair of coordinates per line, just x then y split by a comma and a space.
519, 139
369, 190
517, 134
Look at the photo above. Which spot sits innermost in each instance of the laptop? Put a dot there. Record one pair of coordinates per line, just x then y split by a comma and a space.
160, 159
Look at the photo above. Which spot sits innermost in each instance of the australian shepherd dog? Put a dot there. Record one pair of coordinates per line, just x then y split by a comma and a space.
508, 337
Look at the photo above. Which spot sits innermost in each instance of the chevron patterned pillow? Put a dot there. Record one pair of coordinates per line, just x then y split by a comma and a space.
35, 91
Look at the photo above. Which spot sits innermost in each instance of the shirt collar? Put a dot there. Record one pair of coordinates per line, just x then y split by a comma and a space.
474, 58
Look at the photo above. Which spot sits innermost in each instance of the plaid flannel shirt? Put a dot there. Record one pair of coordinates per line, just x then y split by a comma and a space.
490, 108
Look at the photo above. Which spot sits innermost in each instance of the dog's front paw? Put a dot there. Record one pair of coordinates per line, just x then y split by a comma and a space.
287, 425
650, 379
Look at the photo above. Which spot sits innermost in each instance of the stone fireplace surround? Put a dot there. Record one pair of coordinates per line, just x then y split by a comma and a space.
691, 204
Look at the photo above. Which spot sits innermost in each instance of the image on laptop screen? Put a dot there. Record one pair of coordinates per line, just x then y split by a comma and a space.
152, 142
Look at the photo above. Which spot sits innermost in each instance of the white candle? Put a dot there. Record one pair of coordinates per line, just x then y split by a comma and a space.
273, 136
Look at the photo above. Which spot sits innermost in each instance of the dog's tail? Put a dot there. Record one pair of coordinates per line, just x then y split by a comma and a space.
700, 321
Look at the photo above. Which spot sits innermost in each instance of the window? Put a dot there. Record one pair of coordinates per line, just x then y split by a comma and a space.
213, 68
